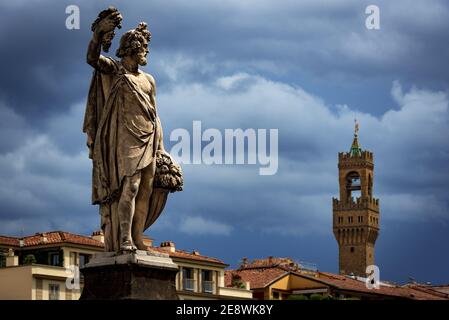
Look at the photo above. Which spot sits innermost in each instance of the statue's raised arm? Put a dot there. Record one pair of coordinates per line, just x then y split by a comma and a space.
103, 33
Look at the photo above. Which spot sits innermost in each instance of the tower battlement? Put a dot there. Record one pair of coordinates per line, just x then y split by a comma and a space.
358, 203
348, 157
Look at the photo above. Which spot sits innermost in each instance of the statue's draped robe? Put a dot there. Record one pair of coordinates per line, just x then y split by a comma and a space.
122, 122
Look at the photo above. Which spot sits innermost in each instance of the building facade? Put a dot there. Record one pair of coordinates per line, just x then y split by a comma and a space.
356, 213
201, 277
45, 266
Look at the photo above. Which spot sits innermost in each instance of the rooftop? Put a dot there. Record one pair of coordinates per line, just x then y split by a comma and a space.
408, 292
46, 238
62, 237
190, 255
257, 277
262, 272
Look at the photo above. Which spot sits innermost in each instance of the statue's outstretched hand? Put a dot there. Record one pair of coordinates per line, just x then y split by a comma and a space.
109, 23
103, 28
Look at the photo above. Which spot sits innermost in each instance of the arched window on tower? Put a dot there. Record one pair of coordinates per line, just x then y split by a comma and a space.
370, 186
353, 186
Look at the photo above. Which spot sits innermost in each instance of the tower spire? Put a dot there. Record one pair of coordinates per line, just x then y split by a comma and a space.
356, 150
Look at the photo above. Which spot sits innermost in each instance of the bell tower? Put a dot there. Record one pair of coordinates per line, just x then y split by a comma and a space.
356, 213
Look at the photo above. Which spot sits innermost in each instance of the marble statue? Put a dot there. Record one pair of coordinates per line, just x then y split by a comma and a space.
132, 172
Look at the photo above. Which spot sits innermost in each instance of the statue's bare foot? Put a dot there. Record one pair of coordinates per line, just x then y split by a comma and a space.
128, 245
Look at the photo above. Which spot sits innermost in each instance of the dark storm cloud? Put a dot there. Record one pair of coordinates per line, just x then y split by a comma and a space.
313, 44
309, 43
305, 68
41, 69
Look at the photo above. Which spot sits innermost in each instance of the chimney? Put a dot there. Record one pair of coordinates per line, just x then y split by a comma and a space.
270, 259
11, 259
42, 237
98, 235
196, 252
168, 246
244, 262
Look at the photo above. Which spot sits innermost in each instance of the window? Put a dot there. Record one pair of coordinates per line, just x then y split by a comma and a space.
276, 295
54, 259
2, 260
188, 282
370, 186
353, 186
53, 291
352, 249
207, 281
84, 258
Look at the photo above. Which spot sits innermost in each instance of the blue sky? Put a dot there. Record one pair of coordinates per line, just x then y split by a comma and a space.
303, 67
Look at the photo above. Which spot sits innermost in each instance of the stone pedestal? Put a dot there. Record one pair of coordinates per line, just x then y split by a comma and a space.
143, 275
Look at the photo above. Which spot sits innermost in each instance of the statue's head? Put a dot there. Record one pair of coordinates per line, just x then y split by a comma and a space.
134, 43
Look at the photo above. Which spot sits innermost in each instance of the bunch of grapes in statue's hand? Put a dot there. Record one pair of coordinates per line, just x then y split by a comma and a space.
168, 174
105, 24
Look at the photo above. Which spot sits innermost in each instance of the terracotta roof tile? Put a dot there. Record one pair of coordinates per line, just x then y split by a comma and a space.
9, 241
346, 283
260, 273
441, 291
444, 288
257, 277
61, 237
187, 255
53, 237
